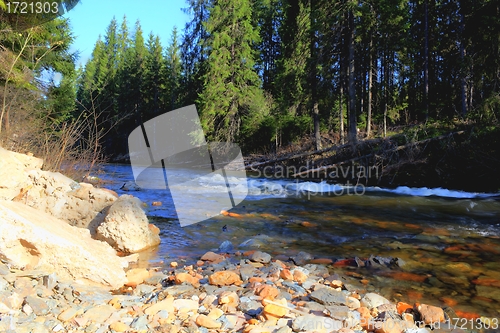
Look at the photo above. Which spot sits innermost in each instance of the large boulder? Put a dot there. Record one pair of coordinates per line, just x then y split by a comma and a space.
126, 226
80, 204
31, 239
13, 168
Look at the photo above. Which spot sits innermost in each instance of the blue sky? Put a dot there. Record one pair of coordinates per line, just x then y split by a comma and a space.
90, 18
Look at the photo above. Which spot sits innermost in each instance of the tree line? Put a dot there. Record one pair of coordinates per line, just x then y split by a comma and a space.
264, 73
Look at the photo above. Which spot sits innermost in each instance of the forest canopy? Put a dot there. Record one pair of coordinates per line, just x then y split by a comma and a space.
264, 73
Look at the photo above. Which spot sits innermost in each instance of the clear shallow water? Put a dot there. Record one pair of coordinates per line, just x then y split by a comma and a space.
449, 241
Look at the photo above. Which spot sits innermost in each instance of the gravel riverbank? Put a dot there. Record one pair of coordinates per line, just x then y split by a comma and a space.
243, 292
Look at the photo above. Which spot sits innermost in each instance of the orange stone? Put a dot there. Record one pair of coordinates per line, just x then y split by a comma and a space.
431, 314
285, 274
230, 298
186, 277
406, 276
402, 307
308, 224
267, 292
321, 261
224, 278
255, 279
448, 301
483, 281
366, 317
344, 262
226, 213
274, 310
207, 322
299, 276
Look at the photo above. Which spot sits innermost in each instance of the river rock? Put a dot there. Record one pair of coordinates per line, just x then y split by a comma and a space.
372, 300
431, 314
328, 296
301, 258
207, 322
275, 310
130, 186
261, 257
224, 278
126, 227
226, 247
30, 239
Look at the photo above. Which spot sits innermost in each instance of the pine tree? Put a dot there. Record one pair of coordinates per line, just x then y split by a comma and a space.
173, 73
153, 84
194, 51
231, 88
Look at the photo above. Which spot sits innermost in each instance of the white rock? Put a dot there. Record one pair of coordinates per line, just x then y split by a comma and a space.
372, 300
36, 240
12, 172
126, 227
79, 204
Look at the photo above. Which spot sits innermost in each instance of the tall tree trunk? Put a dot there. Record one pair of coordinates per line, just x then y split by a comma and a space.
386, 87
317, 134
463, 83
370, 86
426, 60
313, 72
351, 88
341, 111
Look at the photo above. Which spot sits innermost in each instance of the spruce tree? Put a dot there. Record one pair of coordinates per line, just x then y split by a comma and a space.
231, 85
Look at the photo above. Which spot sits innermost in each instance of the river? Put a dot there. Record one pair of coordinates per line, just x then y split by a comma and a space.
436, 246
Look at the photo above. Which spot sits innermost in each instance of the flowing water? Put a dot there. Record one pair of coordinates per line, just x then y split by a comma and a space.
447, 242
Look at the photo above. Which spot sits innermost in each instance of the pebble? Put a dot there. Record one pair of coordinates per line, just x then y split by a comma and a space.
260, 257
328, 296
207, 322
224, 278
226, 247
431, 314
38, 305
372, 300
276, 309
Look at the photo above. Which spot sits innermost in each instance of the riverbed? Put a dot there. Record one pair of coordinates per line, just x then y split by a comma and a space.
410, 244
